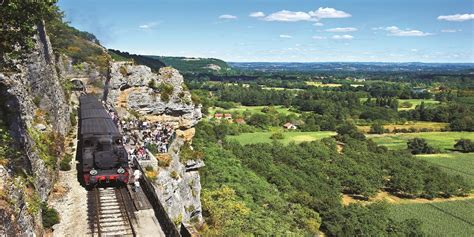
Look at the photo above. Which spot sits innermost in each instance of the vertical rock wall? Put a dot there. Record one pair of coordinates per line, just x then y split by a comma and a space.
36, 86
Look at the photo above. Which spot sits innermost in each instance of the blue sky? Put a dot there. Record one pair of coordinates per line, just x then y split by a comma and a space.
283, 31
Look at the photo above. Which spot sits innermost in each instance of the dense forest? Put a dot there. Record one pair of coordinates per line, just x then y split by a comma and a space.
296, 188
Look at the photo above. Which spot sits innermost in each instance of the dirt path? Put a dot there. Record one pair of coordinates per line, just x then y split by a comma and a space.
384, 196
69, 198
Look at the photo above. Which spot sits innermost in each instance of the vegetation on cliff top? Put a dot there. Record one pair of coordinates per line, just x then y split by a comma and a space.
152, 63
194, 65
19, 21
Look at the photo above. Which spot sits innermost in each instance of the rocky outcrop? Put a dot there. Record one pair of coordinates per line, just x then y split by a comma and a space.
179, 187
161, 96
34, 93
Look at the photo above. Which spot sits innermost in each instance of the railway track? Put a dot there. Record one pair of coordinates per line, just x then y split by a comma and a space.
110, 212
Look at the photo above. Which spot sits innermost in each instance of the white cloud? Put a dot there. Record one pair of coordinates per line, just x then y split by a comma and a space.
148, 25
414, 50
227, 17
328, 12
257, 14
286, 36
318, 24
288, 16
395, 31
451, 30
342, 29
321, 13
457, 17
317, 37
343, 37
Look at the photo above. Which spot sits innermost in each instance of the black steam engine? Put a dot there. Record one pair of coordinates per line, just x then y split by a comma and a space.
103, 160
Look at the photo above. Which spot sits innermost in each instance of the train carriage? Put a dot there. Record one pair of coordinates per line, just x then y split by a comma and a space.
103, 160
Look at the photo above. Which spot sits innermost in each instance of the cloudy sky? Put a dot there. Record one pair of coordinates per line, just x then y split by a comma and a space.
283, 31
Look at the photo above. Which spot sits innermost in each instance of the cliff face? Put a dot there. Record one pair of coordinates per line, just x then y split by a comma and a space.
33, 102
160, 96
163, 97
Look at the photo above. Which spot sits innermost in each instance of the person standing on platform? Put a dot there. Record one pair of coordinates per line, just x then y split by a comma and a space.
137, 174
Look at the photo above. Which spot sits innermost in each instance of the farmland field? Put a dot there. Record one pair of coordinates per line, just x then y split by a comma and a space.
440, 140
450, 218
264, 137
434, 126
454, 163
320, 84
252, 109
415, 102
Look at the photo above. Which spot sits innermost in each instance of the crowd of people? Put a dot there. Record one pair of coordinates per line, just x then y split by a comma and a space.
143, 136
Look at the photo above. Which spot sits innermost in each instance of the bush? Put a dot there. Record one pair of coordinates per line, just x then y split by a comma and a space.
464, 145
166, 90
419, 146
123, 71
153, 148
277, 136
164, 160
152, 84
187, 153
49, 215
73, 117
150, 173
37, 101
376, 128
174, 175
65, 164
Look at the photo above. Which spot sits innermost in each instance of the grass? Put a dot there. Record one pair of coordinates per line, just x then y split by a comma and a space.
454, 163
451, 218
439, 140
320, 84
252, 109
435, 126
280, 88
264, 137
415, 102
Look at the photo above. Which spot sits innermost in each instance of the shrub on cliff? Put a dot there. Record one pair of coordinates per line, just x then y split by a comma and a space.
49, 215
166, 90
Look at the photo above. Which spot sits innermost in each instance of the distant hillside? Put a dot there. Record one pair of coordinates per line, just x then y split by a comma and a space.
154, 63
355, 67
194, 65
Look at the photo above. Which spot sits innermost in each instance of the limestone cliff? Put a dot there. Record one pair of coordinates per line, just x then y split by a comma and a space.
33, 104
163, 97
160, 96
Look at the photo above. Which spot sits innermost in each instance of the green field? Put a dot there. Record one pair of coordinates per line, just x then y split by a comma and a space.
440, 140
264, 137
252, 109
434, 126
415, 102
454, 163
451, 218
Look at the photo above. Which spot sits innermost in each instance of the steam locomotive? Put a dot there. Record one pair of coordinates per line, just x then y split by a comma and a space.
103, 160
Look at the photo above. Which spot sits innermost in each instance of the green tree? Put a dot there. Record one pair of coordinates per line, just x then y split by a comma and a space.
464, 145
19, 21
419, 146
225, 213
377, 128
